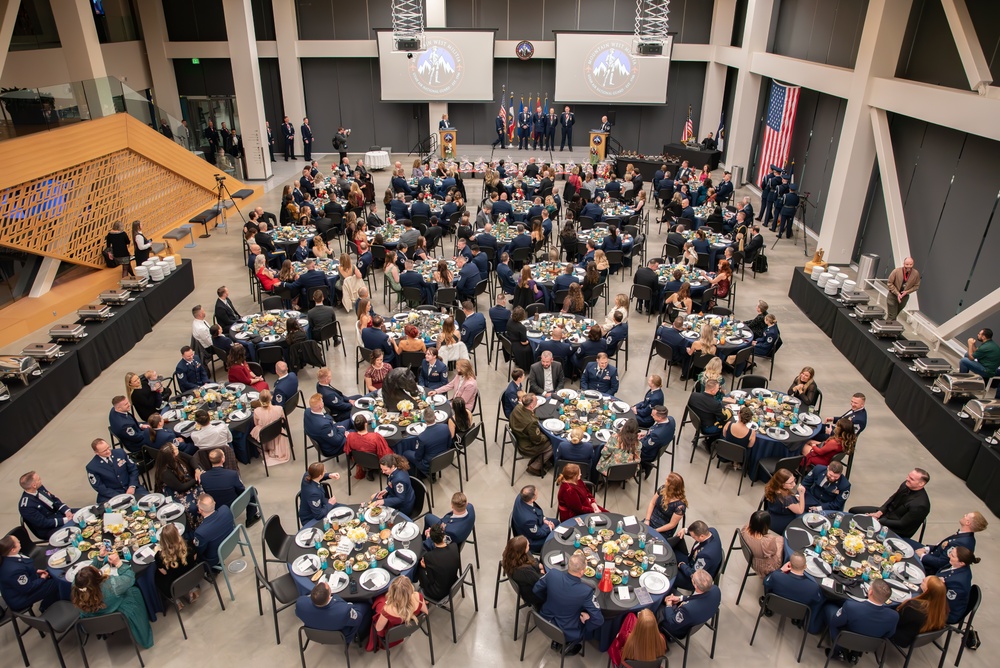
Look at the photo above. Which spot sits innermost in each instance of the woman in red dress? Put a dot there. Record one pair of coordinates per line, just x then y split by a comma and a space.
843, 439
239, 370
400, 605
574, 496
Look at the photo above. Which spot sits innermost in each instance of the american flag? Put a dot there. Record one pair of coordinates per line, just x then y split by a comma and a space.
778, 130
503, 114
688, 127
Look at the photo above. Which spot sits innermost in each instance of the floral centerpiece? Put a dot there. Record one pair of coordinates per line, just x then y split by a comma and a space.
404, 407
610, 549
583, 405
853, 544
358, 534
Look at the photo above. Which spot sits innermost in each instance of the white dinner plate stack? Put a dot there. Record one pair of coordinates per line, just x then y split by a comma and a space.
833, 270
156, 274
832, 287
142, 271
171, 260
166, 267
841, 276
823, 278
817, 271
848, 285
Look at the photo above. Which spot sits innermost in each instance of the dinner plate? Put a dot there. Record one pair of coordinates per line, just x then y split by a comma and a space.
402, 315
338, 581
210, 386
690, 335
810, 419
237, 415
738, 394
396, 563
236, 387
567, 394
416, 429
73, 570
591, 394
387, 430
238, 327
800, 430
364, 402
735, 341
815, 521
603, 435
84, 514
405, 531
792, 401
307, 537
304, 322
177, 525
184, 426
68, 555
276, 311
534, 334
169, 415
144, 555
816, 567
655, 583
760, 392
554, 425
170, 512
122, 500
367, 415
251, 396
909, 572
243, 336
900, 545
306, 565
439, 400
292, 314
898, 591
375, 579
440, 416
620, 422
64, 536
271, 338
620, 407
340, 514
777, 433
376, 514
556, 560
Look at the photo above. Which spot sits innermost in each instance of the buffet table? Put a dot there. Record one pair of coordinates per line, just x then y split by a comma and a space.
696, 157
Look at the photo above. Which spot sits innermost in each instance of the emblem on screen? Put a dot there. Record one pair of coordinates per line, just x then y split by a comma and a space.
439, 69
524, 50
610, 70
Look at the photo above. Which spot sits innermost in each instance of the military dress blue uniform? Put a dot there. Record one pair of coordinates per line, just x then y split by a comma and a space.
706, 555
113, 476
615, 337
507, 282
858, 417
678, 620
644, 409
399, 492
433, 441
501, 133
958, 584
523, 129
313, 501
529, 521
780, 190
337, 615
459, 528
328, 434
765, 344
284, 389
565, 450
307, 137
768, 186
801, 589
468, 279
660, 434
211, 532
563, 281
560, 350
474, 324
433, 377
43, 512
821, 492
335, 401
789, 204
127, 430
862, 617
603, 380
22, 586
288, 132
509, 398
566, 121
190, 375
936, 557
222, 484
566, 596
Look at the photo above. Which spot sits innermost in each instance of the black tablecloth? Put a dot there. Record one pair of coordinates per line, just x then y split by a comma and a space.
160, 298
696, 157
812, 301
645, 167
31, 407
984, 479
108, 341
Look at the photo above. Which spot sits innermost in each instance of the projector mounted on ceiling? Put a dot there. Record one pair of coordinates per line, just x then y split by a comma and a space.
649, 48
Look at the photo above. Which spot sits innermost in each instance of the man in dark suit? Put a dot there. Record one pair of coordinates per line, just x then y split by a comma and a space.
375, 337
709, 143
908, 507
485, 239
502, 206
708, 409
508, 283
399, 184
217, 523
613, 187
308, 280
212, 139
288, 132
687, 211
444, 123
754, 244
501, 128
225, 313
680, 614
546, 182
408, 278
671, 334
419, 207
546, 376
270, 139
536, 209
307, 139
566, 121
564, 280
593, 210
398, 208
871, 617
550, 129
468, 278
523, 128
532, 169
321, 315
649, 278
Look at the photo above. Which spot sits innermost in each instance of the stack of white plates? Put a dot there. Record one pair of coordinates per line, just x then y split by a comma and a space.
833, 270
171, 260
142, 271
817, 271
832, 287
842, 277
166, 267
848, 286
823, 278
156, 274
150, 262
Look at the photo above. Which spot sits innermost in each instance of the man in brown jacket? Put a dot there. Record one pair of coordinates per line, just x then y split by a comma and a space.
531, 440
903, 281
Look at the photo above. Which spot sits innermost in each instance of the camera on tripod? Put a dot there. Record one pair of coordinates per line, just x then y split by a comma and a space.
219, 178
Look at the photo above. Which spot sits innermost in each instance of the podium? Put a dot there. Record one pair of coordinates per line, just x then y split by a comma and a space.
599, 143
448, 142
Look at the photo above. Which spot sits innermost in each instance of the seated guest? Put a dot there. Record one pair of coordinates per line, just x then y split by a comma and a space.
983, 355
223, 344
174, 558
398, 492
766, 547
804, 387
321, 315
622, 447
287, 384
934, 558
574, 449
658, 436
22, 585
924, 613
336, 402
561, 351
570, 603
124, 425
322, 428
528, 520
111, 472
600, 376
574, 304
314, 504
957, 578
499, 314
363, 439
190, 372
654, 397
673, 336
757, 325
146, 393
376, 373
458, 523
433, 372
786, 499
857, 414
464, 384
575, 498
871, 617
375, 338
705, 555
592, 346
96, 594
440, 567
791, 582
564, 280
843, 439
240, 372
216, 525
207, 435
411, 342
176, 476
638, 640
40, 509
513, 392
434, 440
546, 376
401, 605
324, 611
708, 408
506, 275
680, 614
530, 440
224, 485
907, 508
473, 325
764, 344
522, 569
827, 488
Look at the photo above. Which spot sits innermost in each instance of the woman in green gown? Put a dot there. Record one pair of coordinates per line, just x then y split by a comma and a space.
97, 594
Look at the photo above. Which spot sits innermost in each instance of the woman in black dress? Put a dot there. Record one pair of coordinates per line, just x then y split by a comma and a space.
517, 333
119, 242
174, 558
522, 568
142, 244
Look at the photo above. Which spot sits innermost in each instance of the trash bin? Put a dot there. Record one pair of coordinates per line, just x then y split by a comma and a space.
867, 268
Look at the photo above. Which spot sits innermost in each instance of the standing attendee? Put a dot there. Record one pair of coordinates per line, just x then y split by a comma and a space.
117, 240
903, 282
307, 139
550, 129
501, 128
182, 135
270, 139
566, 121
141, 243
288, 132
340, 141
212, 139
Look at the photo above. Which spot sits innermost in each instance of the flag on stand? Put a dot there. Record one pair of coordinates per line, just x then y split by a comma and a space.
538, 100
520, 111
781, 108
545, 106
719, 136
503, 114
510, 120
688, 127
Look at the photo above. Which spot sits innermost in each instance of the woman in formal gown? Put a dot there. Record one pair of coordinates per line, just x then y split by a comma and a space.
277, 450
96, 594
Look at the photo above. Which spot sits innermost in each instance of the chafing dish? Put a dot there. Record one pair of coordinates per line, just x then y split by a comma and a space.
866, 313
95, 311
4, 392
72, 332
46, 352
906, 349
18, 366
884, 329
983, 412
854, 298
930, 366
134, 284
115, 297
963, 385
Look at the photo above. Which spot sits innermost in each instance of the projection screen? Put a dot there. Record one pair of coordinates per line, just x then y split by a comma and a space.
456, 67
600, 68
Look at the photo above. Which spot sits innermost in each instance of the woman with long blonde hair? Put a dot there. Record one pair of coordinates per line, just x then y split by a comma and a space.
638, 640
400, 606
923, 613
174, 558
464, 383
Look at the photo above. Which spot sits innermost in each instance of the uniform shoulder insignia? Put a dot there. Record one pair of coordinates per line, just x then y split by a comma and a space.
399, 488
952, 594
22, 580
92, 478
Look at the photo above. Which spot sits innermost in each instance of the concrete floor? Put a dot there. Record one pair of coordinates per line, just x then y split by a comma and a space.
887, 452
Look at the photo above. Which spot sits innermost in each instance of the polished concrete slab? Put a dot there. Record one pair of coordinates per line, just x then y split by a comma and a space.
887, 451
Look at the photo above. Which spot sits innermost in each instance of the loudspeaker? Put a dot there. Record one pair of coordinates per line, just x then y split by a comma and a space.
416, 112
611, 117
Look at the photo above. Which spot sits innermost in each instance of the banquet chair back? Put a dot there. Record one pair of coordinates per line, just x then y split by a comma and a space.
476, 342
660, 662
519, 257
614, 260
270, 303
441, 463
238, 537
467, 579
368, 461
462, 445
402, 632
964, 625
292, 403
584, 475
769, 465
322, 637
662, 349
191, 579
587, 223
240, 504
855, 642
306, 353
327, 489
750, 382
332, 331
275, 541
270, 355
748, 556
642, 293
515, 446
685, 642
698, 363
481, 288
550, 631
58, 620
535, 309
419, 497
819, 402
922, 640
362, 354
623, 473
104, 625
742, 358
284, 594
783, 607
773, 356
446, 297
411, 296
411, 361
722, 449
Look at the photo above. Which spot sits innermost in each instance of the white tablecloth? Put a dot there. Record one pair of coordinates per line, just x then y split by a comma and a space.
377, 159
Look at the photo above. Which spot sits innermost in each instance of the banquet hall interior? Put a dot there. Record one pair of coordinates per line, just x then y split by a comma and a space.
879, 113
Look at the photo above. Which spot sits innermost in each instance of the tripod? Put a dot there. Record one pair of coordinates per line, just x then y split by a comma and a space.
221, 203
800, 212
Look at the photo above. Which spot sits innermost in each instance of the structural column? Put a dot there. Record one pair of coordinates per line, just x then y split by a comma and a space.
246, 77
715, 75
8, 14
155, 37
293, 95
436, 18
84, 58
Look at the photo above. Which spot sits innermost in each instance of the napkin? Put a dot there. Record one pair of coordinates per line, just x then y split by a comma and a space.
600, 521
630, 521
556, 559
406, 559
564, 532
623, 593
657, 549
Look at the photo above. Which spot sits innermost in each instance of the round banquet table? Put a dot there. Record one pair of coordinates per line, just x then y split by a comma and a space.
550, 410
249, 327
428, 323
805, 530
575, 327
692, 330
388, 425
780, 442
233, 408
377, 160
503, 232
695, 278
328, 266
288, 237
362, 595
613, 608
718, 243
545, 273
426, 269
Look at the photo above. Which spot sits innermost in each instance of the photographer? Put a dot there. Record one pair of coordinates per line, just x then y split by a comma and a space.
340, 141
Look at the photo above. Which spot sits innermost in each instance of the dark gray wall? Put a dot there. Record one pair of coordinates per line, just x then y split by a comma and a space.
822, 31
211, 76
949, 183
195, 20
342, 19
873, 233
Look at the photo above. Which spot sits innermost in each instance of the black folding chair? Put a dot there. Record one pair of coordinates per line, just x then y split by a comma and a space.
185, 583
402, 632
623, 473
104, 625
58, 620
284, 594
468, 578
855, 642
322, 637
783, 607
550, 631
723, 450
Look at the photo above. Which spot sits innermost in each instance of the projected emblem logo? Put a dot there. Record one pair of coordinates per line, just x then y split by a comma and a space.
610, 70
439, 69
